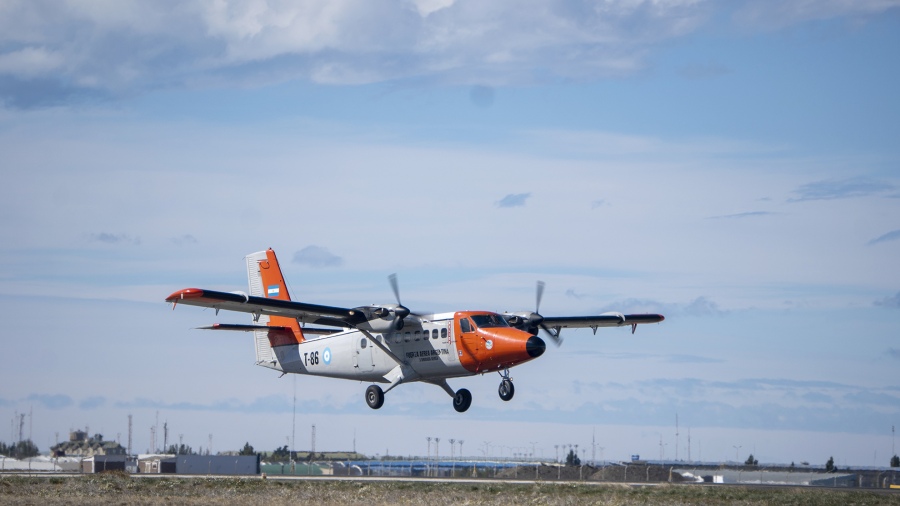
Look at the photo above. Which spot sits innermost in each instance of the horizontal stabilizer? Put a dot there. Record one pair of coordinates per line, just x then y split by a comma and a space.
252, 328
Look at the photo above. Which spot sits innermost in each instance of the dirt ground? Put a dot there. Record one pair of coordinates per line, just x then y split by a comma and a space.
628, 474
125, 490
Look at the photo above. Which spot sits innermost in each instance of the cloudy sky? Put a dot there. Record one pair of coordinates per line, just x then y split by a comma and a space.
732, 165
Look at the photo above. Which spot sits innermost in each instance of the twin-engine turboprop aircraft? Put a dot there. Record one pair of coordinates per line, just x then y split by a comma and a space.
387, 343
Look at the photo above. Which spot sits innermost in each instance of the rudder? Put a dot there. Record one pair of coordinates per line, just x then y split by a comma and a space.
266, 280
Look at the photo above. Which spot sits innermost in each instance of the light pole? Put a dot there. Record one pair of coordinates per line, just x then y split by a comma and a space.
736, 448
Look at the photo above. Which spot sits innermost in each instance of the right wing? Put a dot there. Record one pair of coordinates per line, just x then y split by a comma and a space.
604, 320
236, 301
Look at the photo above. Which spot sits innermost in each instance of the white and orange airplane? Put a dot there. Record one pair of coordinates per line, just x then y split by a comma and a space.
387, 343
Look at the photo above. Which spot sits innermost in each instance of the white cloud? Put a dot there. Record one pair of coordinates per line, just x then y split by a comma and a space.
30, 62
130, 47
780, 13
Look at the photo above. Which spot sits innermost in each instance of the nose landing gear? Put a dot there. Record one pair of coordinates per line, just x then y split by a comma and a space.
506, 390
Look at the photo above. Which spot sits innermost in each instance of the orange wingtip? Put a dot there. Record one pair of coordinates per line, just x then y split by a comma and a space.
187, 293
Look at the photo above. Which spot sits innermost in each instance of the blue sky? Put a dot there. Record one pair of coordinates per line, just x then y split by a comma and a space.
732, 165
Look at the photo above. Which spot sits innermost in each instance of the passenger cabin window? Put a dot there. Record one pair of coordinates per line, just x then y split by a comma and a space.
444, 332
489, 320
434, 333
363, 342
464, 325
406, 337
418, 335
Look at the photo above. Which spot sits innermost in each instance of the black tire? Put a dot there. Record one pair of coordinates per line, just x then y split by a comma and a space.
462, 400
374, 396
506, 390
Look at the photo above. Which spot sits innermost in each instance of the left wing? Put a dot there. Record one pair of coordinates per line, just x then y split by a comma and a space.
237, 301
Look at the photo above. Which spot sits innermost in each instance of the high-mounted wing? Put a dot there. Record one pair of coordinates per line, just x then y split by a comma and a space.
235, 301
604, 320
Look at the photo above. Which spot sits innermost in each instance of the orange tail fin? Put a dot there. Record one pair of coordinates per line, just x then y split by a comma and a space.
266, 280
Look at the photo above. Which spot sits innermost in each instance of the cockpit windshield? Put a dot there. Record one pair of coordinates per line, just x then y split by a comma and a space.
489, 320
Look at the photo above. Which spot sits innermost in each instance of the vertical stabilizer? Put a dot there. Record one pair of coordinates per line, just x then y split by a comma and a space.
265, 280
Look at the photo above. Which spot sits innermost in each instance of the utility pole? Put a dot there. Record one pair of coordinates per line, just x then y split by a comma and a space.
676, 436
294, 428
129, 435
313, 447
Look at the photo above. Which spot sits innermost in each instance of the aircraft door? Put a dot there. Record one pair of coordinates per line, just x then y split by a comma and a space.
469, 338
448, 342
362, 359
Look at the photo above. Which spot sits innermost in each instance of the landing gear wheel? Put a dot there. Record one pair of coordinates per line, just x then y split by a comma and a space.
462, 400
507, 390
374, 396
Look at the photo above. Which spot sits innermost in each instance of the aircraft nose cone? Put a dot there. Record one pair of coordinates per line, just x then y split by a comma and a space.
535, 346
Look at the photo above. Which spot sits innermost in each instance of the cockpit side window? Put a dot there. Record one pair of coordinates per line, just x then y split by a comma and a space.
489, 320
464, 325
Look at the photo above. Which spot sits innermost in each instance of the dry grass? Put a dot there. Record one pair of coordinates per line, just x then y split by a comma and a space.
122, 489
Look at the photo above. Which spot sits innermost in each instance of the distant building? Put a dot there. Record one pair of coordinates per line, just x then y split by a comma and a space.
80, 445
200, 464
102, 463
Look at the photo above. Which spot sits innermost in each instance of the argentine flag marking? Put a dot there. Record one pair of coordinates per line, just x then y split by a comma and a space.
272, 291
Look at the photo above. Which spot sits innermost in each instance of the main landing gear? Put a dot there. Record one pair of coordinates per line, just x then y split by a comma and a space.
462, 398
374, 396
507, 389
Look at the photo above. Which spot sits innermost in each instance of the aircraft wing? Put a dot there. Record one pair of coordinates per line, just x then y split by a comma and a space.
241, 302
604, 320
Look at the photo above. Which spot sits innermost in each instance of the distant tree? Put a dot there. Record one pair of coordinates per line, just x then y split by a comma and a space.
895, 461
572, 459
181, 449
751, 461
281, 453
829, 466
247, 450
21, 450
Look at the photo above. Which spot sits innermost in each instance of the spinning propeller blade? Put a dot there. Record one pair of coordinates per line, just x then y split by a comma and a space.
400, 311
538, 320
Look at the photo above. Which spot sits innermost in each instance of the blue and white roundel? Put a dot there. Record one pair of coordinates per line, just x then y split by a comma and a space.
326, 356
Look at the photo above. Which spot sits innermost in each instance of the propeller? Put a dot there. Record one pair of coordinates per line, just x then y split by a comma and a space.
401, 311
537, 320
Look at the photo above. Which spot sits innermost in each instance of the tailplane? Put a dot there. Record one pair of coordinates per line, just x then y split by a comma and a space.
265, 279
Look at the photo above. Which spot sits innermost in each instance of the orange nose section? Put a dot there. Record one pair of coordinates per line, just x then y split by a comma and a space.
500, 348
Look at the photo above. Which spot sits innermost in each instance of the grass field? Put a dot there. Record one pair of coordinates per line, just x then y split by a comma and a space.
122, 489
